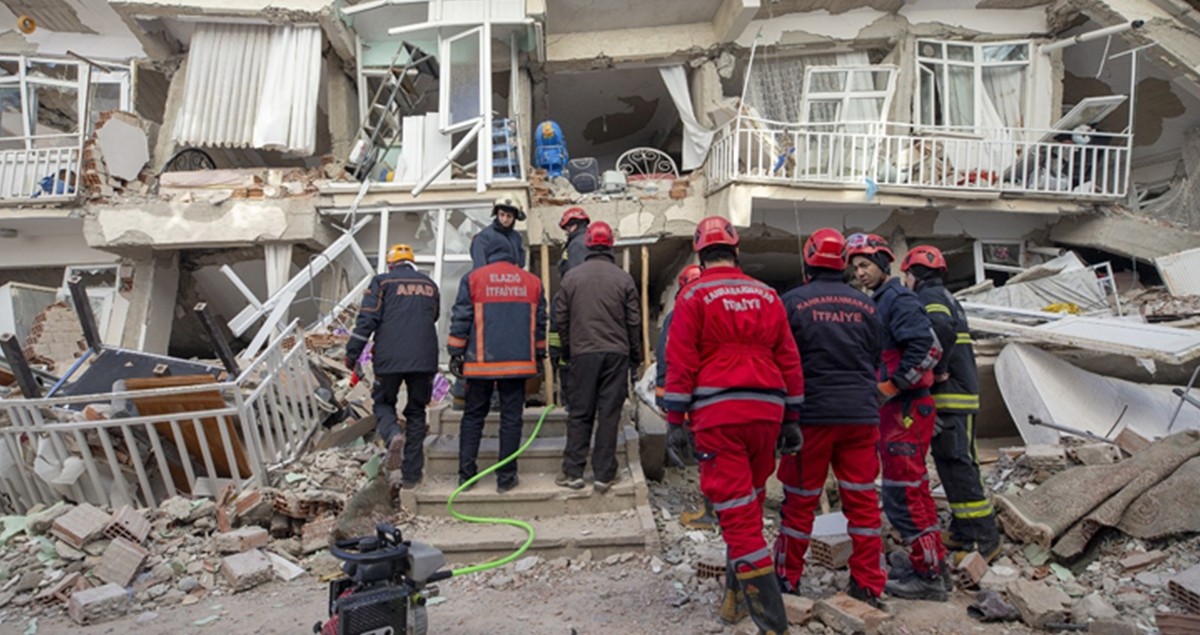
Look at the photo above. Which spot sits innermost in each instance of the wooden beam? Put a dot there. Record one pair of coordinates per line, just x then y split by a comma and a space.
645, 306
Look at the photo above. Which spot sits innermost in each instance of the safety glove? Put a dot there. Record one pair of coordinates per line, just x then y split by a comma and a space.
886, 391
678, 443
349, 363
790, 440
456, 365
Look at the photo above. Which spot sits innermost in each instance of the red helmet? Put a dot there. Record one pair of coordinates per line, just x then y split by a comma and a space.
826, 248
690, 274
926, 256
598, 235
714, 230
572, 215
867, 245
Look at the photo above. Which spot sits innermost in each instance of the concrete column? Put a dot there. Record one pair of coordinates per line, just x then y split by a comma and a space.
152, 302
342, 107
164, 146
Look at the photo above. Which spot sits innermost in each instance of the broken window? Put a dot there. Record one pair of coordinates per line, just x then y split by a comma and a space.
778, 97
463, 60
848, 95
973, 85
998, 260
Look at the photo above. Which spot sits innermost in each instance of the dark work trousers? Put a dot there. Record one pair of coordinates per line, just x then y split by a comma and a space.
479, 400
953, 450
384, 396
564, 385
598, 390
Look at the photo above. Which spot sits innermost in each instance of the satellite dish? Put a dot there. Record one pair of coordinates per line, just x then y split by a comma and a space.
26, 24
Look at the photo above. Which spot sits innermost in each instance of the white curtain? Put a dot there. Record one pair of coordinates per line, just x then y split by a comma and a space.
696, 138
777, 85
251, 86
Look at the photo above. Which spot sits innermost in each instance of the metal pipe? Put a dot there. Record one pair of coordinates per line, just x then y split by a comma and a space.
1072, 431
1092, 35
83, 308
220, 346
70, 371
20, 366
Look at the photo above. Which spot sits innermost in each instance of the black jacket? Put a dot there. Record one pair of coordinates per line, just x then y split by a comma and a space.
959, 393
597, 310
660, 359
574, 253
496, 238
400, 309
910, 349
839, 335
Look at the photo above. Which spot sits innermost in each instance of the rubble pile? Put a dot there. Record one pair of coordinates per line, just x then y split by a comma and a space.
115, 157
76, 557
559, 191
218, 186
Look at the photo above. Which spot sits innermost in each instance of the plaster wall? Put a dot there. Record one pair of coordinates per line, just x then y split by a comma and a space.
47, 243
235, 223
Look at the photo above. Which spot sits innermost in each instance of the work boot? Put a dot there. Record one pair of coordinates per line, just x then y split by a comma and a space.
988, 550
572, 482
463, 481
602, 487
702, 519
733, 604
862, 595
411, 483
951, 541
900, 567
505, 486
915, 586
395, 452
764, 598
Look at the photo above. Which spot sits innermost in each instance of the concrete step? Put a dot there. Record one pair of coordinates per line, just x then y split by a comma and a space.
536, 496
604, 534
447, 421
544, 455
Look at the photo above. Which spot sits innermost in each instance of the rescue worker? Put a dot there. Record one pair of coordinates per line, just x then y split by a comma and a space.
497, 341
956, 395
906, 416
400, 310
501, 234
734, 372
693, 519
574, 222
600, 320
837, 331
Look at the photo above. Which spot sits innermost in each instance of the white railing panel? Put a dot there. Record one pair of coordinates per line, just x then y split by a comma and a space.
39, 175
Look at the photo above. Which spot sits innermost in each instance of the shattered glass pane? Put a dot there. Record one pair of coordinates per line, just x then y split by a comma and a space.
105, 96
417, 229
463, 73
1006, 53
1002, 254
461, 227
54, 110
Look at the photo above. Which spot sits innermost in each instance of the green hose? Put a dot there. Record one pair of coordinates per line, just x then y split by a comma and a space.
497, 521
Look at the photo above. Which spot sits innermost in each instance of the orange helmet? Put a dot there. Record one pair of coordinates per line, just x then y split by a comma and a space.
598, 235
868, 245
826, 248
926, 256
575, 214
689, 275
400, 253
714, 230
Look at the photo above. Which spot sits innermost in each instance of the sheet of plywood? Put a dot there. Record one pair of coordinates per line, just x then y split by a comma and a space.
194, 402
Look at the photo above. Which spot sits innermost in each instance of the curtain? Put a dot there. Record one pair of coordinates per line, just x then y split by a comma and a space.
696, 138
251, 86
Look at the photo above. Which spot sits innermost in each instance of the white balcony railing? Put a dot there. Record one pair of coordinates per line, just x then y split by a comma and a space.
1013, 161
40, 174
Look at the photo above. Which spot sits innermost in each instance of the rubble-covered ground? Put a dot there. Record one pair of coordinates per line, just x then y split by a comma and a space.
183, 587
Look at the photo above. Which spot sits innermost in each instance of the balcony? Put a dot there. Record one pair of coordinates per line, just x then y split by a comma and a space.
891, 157
39, 175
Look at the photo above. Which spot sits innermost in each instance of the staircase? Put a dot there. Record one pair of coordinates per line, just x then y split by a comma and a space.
566, 522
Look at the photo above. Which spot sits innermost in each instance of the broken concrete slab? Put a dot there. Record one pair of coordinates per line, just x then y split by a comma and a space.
1093, 607
124, 145
1112, 627
1039, 603
847, 615
99, 604
1096, 454
242, 539
1045, 456
1137, 561
42, 521
285, 569
81, 525
799, 609
247, 570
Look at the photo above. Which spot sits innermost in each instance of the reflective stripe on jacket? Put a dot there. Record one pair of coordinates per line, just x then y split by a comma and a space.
400, 309
960, 392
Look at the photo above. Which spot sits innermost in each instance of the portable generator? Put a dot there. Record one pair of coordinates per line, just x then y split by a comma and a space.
387, 583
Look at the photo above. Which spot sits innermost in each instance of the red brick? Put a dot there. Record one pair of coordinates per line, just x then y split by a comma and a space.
847, 615
831, 552
121, 562
127, 523
973, 568
81, 525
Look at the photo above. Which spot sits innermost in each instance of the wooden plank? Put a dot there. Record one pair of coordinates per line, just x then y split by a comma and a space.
1177, 623
209, 427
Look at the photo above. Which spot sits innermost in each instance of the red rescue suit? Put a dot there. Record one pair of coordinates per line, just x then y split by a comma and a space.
733, 367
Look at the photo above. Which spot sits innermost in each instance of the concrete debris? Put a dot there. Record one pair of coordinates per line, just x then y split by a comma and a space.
799, 609
80, 525
121, 561
1039, 603
99, 604
1138, 561
849, 616
247, 570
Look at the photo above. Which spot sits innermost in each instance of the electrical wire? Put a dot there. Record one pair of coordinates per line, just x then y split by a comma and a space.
499, 562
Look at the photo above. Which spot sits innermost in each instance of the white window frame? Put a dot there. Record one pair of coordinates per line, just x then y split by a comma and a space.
24, 82
447, 79
845, 95
977, 65
982, 266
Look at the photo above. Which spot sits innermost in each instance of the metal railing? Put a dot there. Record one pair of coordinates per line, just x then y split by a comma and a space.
1011, 161
48, 453
40, 174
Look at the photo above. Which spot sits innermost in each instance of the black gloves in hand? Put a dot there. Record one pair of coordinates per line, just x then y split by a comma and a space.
790, 440
456, 365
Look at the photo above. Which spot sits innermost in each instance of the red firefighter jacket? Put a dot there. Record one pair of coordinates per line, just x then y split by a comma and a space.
731, 357
499, 323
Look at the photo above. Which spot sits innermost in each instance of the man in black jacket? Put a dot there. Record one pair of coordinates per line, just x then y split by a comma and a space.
574, 222
839, 335
400, 309
501, 235
956, 395
599, 321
